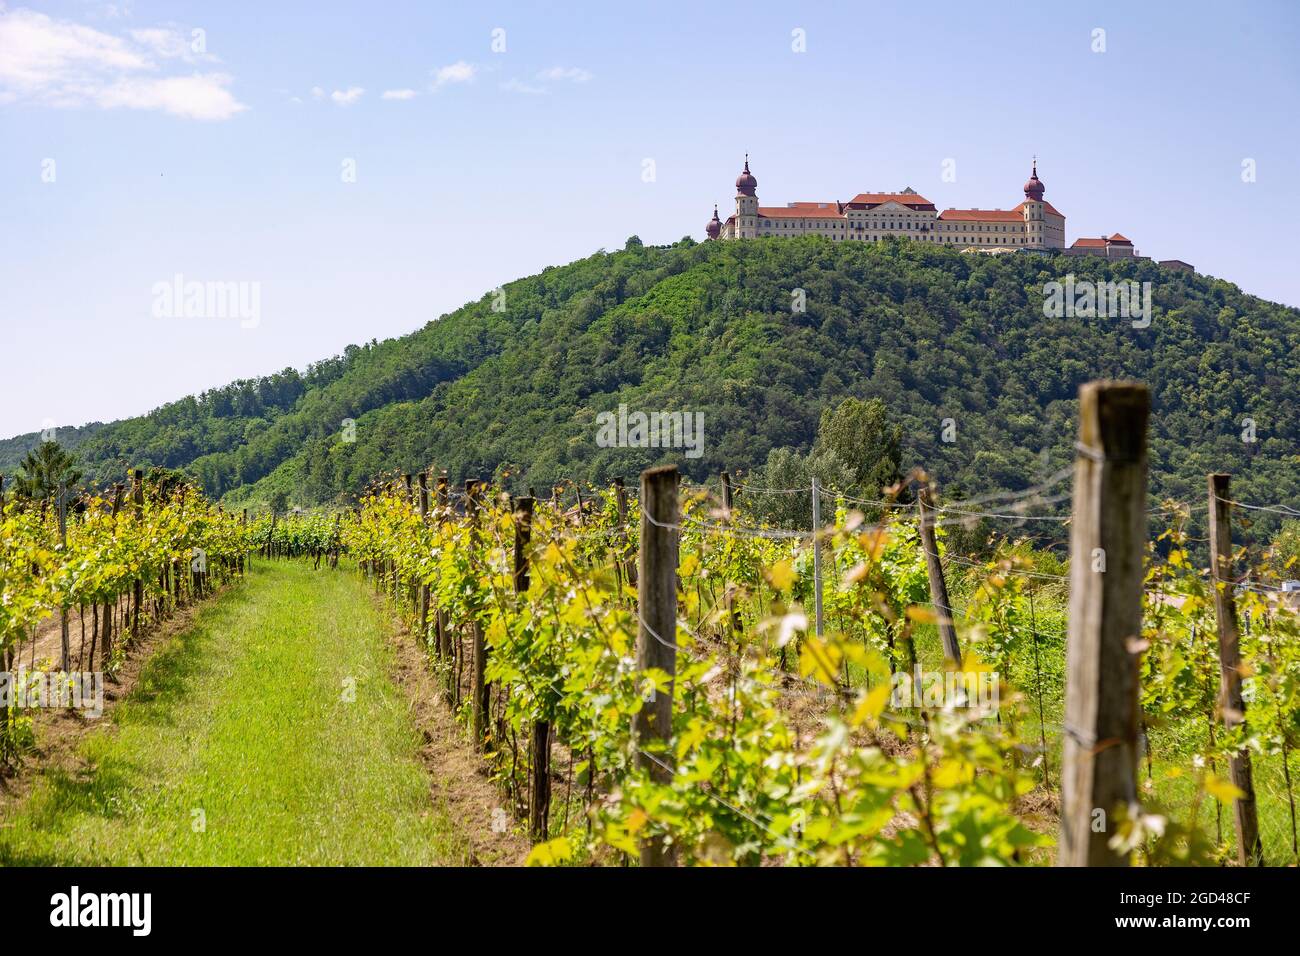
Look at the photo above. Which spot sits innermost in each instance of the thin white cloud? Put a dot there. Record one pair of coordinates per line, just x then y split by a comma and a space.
519, 86
570, 74
347, 97
191, 97
172, 44
399, 94
63, 64
317, 93
458, 72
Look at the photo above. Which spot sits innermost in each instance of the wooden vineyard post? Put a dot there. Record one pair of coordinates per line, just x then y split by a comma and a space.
539, 804
480, 690
628, 562
938, 585
107, 635
733, 612
582, 517
523, 535
408, 486
65, 646
657, 633
336, 539
1107, 545
1250, 849
442, 632
817, 554
137, 508
424, 588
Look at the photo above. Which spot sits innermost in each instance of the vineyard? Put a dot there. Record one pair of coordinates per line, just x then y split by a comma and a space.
664, 676
646, 676
118, 566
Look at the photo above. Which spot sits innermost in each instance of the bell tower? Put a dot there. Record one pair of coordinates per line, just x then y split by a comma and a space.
746, 203
1035, 237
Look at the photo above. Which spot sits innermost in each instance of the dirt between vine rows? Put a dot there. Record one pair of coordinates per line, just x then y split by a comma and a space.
48, 646
59, 731
457, 773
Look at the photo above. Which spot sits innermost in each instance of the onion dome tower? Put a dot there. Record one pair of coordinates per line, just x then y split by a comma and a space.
1032, 207
714, 228
746, 184
746, 204
1034, 188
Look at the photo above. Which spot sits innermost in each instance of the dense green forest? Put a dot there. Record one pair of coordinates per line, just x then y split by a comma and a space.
512, 384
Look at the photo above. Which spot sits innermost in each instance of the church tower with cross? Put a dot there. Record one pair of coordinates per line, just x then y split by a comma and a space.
1032, 208
746, 203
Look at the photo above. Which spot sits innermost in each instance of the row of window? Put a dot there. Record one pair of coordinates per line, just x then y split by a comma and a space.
974, 241
943, 227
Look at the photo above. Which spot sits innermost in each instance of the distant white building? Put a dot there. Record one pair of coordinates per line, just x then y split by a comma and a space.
1033, 224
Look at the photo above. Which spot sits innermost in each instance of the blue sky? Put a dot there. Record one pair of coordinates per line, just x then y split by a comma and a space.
223, 160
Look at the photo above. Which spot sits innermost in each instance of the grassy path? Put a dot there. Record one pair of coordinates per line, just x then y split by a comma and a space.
239, 746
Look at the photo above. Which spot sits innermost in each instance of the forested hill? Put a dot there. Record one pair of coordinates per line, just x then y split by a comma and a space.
515, 383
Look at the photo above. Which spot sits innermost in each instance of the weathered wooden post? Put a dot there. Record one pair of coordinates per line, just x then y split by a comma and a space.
733, 610
480, 690
1107, 545
336, 539
582, 507
657, 633
110, 606
628, 562
1250, 848
539, 804
817, 554
938, 584
137, 591
523, 535
443, 632
65, 645
408, 485
423, 614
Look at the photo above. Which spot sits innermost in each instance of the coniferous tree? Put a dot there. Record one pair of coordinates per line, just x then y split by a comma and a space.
44, 470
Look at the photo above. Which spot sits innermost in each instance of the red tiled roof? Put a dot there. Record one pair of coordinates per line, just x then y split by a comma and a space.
1115, 240
994, 215
808, 211
982, 215
910, 200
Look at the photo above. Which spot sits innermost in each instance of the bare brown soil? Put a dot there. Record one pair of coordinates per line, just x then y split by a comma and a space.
457, 772
59, 732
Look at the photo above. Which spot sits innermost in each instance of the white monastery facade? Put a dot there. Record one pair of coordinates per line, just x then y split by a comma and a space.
1033, 224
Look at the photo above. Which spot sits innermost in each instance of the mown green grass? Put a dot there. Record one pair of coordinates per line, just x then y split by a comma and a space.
243, 717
